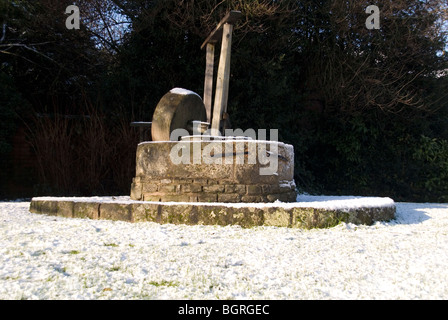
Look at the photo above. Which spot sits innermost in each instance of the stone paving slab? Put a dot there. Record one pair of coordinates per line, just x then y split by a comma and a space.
293, 215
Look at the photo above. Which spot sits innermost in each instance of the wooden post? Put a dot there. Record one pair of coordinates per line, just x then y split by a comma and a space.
223, 30
208, 83
222, 81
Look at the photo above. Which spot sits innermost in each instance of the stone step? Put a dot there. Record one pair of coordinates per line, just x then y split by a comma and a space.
293, 215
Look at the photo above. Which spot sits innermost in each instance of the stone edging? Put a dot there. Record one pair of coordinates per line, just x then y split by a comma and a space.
203, 190
293, 215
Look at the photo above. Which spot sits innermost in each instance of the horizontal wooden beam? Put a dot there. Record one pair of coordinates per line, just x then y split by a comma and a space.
216, 35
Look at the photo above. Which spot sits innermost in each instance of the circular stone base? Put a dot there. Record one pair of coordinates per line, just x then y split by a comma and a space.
315, 212
222, 170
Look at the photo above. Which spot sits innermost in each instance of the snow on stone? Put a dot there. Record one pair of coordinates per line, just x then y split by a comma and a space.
303, 201
183, 92
47, 257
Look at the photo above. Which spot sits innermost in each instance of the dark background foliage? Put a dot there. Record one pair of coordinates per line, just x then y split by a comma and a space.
366, 110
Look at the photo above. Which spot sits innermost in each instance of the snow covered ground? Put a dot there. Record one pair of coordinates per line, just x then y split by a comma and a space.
45, 257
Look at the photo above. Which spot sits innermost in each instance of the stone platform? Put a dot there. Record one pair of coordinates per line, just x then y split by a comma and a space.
307, 214
214, 171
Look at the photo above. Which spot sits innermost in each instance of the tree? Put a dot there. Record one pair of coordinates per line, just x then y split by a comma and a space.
47, 61
363, 108
379, 91
386, 69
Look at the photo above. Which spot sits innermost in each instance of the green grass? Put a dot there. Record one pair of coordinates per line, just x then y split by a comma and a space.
164, 283
111, 245
114, 268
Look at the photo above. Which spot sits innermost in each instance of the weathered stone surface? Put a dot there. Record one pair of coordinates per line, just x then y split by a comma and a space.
248, 217
175, 198
157, 173
148, 188
276, 217
136, 190
167, 188
156, 190
86, 210
116, 211
235, 188
369, 215
252, 198
207, 197
309, 218
174, 111
151, 197
194, 213
53, 208
254, 189
176, 214
283, 197
217, 188
211, 215
145, 212
229, 197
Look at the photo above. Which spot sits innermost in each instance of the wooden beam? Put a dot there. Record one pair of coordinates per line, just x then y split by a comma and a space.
208, 83
230, 18
222, 81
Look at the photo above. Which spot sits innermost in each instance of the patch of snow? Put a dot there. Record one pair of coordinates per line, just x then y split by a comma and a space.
183, 92
48, 257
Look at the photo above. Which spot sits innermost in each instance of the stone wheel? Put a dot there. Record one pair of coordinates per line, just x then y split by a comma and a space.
176, 110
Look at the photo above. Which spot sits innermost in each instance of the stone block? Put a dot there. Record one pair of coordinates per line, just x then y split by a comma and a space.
65, 209
251, 198
207, 197
52, 208
137, 180
167, 188
253, 189
136, 191
84, 210
276, 217
240, 188
217, 188
175, 214
116, 211
201, 182
368, 216
40, 206
251, 172
196, 188
286, 186
184, 188
149, 188
274, 197
36, 206
175, 198
229, 197
247, 217
235, 188
283, 197
182, 181
309, 218
213, 215
142, 212
151, 197
267, 188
